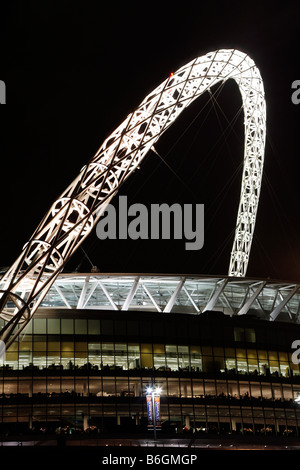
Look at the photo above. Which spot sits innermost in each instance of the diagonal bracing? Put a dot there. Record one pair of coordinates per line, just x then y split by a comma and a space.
74, 214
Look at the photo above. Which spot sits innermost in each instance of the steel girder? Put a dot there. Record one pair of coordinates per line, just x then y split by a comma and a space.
74, 214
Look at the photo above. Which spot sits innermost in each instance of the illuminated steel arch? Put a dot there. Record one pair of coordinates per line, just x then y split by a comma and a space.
74, 214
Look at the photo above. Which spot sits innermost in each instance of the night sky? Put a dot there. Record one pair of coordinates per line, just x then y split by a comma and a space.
75, 70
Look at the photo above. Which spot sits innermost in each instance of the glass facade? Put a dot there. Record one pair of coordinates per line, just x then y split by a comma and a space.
217, 373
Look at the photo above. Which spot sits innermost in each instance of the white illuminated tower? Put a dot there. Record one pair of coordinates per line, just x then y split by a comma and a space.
74, 214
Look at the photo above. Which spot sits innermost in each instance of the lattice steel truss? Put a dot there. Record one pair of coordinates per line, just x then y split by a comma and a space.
74, 214
266, 299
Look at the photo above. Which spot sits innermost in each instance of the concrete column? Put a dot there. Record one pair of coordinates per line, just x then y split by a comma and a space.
187, 421
233, 424
85, 422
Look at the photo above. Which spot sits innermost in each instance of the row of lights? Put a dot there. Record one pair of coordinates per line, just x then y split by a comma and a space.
155, 391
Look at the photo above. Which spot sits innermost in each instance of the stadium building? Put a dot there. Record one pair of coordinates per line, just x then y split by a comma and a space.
220, 349
83, 349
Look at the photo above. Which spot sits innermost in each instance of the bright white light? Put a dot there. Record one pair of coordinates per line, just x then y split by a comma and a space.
151, 390
74, 214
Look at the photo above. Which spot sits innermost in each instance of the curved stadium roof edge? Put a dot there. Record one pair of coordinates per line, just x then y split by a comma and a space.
179, 293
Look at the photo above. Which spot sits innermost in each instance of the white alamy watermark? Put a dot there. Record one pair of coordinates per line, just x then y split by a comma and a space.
160, 222
2, 92
296, 354
2, 352
296, 94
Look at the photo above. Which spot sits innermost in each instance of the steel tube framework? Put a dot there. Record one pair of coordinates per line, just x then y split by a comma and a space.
266, 299
74, 214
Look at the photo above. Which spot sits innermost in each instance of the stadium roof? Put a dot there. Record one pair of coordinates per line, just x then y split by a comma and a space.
265, 298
